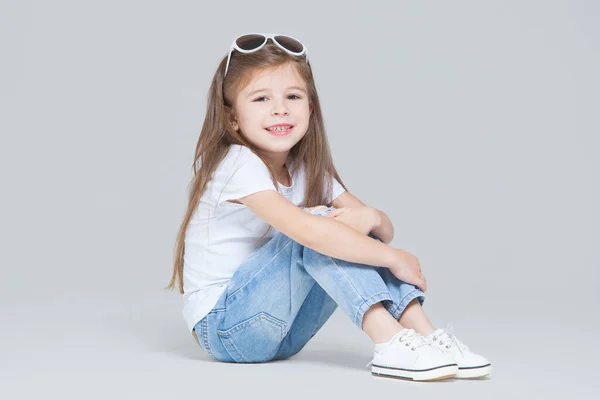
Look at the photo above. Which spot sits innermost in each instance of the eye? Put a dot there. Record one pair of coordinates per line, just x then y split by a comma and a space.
291, 95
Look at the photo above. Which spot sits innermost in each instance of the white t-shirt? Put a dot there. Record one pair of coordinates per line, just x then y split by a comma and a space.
221, 234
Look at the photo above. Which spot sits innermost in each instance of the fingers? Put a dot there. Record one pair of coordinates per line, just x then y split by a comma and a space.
337, 212
424, 283
422, 279
321, 210
421, 283
334, 213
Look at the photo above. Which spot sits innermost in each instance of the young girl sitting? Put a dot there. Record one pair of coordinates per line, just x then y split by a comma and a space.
273, 242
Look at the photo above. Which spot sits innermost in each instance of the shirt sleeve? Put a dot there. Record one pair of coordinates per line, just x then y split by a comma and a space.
337, 189
242, 177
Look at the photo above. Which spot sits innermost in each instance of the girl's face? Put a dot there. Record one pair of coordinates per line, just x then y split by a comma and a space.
273, 97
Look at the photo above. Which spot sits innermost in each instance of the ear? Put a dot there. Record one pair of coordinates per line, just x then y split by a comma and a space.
233, 121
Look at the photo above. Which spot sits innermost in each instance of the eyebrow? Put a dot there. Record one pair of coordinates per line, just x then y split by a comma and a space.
266, 89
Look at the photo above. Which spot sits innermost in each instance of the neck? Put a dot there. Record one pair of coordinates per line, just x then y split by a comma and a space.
278, 161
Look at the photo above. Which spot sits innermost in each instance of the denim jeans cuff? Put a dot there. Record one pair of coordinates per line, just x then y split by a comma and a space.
410, 296
367, 304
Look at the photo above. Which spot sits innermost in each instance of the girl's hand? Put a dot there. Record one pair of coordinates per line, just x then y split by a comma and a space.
407, 269
337, 212
316, 209
363, 219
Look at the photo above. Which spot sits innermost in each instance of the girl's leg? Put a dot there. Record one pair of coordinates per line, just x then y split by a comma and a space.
414, 317
271, 289
378, 321
412, 314
253, 319
379, 324
314, 312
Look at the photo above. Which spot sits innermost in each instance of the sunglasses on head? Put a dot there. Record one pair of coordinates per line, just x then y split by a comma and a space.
251, 42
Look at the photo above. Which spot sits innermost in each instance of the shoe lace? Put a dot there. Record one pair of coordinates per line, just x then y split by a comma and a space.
409, 338
447, 336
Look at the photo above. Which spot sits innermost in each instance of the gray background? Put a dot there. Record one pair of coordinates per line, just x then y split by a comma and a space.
473, 125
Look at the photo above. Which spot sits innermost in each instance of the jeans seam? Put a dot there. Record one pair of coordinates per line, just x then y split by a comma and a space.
205, 336
265, 265
234, 348
346, 277
404, 302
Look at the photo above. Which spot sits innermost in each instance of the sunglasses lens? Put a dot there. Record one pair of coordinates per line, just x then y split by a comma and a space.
250, 42
290, 43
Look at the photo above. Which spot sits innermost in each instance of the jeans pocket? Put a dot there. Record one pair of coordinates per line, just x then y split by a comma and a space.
255, 339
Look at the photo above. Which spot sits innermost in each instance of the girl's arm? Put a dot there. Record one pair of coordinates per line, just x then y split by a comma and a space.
365, 219
383, 227
325, 235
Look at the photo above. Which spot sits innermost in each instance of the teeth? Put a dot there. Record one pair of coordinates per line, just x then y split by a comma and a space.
280, 128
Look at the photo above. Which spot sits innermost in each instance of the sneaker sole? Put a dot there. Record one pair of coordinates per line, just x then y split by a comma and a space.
474, 372
430, 374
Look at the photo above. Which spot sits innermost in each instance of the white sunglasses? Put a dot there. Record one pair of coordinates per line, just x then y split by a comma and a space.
251, 42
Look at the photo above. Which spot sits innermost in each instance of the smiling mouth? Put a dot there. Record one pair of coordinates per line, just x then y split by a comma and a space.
280, 129
280, 132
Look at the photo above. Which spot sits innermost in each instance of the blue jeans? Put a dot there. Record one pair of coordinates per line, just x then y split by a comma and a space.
284, 292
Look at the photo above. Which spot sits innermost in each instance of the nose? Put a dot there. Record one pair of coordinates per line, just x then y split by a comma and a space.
279, 108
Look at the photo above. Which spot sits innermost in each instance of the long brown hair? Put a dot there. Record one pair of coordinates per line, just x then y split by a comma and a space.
218, 135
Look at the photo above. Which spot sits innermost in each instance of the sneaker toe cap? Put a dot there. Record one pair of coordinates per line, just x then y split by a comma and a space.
473, 360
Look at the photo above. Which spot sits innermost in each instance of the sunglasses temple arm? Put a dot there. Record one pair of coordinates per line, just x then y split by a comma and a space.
228, 58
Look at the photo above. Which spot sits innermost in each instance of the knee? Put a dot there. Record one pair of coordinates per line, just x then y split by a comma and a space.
309, 254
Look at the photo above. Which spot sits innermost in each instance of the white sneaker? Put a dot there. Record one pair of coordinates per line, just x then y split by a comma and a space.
470, 365
410, 355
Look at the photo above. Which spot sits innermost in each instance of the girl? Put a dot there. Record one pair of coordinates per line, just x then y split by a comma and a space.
263, 161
